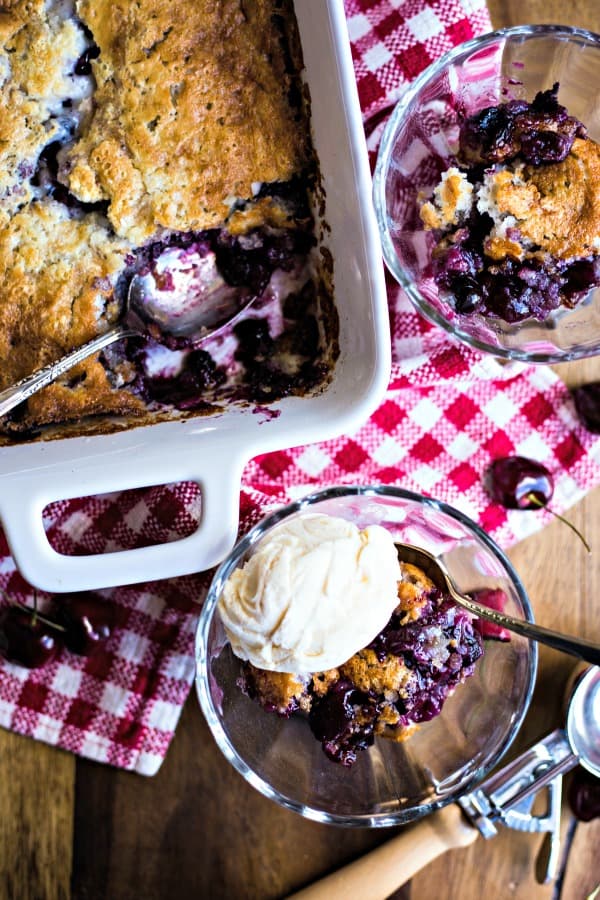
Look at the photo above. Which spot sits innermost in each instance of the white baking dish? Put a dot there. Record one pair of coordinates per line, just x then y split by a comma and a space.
212, 451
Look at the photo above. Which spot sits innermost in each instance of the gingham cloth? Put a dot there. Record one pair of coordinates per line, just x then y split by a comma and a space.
447, 413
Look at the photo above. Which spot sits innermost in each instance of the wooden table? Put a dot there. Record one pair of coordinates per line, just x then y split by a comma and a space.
72, 828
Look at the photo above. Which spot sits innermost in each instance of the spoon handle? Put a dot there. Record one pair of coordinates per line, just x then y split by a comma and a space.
579, 647
31, 384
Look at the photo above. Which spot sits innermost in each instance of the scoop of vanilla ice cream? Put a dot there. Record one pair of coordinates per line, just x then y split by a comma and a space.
316, 591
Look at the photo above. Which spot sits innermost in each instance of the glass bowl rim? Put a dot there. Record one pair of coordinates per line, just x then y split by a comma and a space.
379, 186
365, 820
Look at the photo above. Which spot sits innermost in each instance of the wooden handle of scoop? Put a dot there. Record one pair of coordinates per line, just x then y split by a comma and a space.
379, 873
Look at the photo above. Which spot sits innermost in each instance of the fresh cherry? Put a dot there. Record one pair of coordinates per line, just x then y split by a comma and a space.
26, 638
521, 483
493, 598
87, 619
584, 795
587, 404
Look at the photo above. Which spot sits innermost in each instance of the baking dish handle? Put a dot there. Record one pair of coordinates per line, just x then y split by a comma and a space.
22, 506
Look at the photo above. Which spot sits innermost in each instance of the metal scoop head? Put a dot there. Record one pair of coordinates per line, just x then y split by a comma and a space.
583, 720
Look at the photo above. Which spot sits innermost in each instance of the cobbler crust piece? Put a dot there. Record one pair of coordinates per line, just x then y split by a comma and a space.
191, 108
558, 206
58, 275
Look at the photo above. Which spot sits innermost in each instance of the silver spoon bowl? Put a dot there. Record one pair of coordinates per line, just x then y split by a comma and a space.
435, 569
195, 312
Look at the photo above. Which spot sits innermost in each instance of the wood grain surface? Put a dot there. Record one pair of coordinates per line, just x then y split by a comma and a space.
70, 828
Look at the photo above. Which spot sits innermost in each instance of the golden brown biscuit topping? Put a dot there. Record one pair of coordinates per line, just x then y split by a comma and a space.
558, 206
58, 275
192, 111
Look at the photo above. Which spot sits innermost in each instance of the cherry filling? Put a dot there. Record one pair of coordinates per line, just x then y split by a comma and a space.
440, 649
184, 390
437, 652
245, 265
45, 177
540, 132
344, 721
537, 133
83, 66
511, 289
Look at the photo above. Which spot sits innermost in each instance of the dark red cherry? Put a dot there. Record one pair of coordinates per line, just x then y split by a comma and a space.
83, 66
519, 483
587, 405
27, 639
584, 795
493, 598
88, 621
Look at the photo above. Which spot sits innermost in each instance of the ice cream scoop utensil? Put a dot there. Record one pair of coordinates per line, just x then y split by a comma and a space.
506, 798
144, 316
435, 568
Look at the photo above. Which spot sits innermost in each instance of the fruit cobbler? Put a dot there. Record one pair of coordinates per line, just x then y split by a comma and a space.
517, 217
401, 679
171, 141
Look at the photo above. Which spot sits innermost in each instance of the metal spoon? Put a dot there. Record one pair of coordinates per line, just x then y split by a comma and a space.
436, 570
192, 315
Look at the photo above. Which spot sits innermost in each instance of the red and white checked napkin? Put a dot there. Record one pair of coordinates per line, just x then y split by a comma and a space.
448, 412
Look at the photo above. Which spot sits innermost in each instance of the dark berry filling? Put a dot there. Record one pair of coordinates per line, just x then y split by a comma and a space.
46, 176
537, 133
184, 390
438, 651
83, 66
343, 721
510, 289
265, 370
441, 648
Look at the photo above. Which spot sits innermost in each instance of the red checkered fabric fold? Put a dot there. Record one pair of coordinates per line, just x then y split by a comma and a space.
448, 411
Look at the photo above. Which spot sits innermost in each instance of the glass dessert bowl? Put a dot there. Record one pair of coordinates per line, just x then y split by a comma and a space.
543, 291
390, 781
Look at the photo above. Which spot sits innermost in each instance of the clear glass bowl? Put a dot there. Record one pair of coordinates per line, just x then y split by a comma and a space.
419, 143
390, 783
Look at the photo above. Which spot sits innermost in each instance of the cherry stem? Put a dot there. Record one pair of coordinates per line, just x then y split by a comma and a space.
535, 501
46, 621
34, 613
